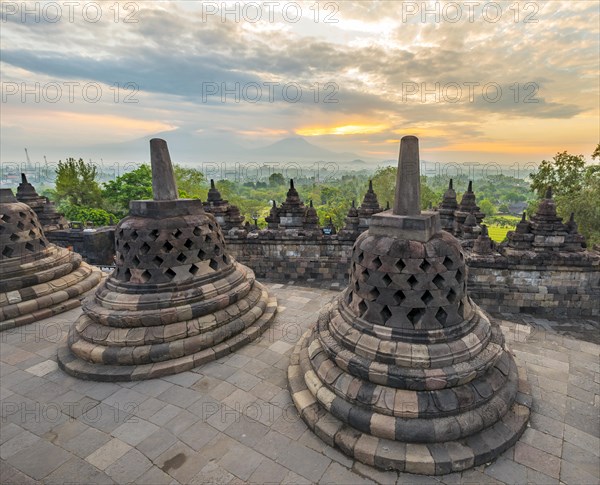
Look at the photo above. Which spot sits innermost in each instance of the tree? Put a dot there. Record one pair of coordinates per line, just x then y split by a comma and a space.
76, 183
276, 179
134, 185
487, 207
576, 188
190, 182
564, 174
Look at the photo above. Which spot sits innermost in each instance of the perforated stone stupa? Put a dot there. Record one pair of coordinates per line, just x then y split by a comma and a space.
176, 299
403, 371
38, 279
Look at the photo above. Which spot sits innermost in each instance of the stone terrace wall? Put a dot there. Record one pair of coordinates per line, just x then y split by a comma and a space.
566, 284
283, 258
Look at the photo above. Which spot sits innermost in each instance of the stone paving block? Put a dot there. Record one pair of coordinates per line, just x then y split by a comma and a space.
108, 453
572, 473
303, 461
336, 473
39, 459
156, 476
584, 459
180, 462
181, 422
247, 431
20, 441
164, 415
542, 441
241, 468
87, 442
197, 435
213, 473
537, 459
243, 380
10, 474
77, 469
129, 467
134, 431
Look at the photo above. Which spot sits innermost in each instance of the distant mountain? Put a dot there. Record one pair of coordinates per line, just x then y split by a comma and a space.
198, 148
297, 148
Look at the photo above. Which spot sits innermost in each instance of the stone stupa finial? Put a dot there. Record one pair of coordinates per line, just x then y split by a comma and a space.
470, 188
164, 186
23, 178
450, 185
408, 183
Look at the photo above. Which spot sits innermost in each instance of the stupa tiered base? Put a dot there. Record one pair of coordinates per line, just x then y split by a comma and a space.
39, 279
176, 299
403, 370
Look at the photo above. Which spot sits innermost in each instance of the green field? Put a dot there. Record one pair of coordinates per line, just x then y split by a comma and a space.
498, 233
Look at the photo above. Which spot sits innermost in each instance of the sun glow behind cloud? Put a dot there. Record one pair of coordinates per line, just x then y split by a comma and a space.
370, 54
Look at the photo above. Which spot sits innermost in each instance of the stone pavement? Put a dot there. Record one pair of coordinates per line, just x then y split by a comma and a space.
232, 421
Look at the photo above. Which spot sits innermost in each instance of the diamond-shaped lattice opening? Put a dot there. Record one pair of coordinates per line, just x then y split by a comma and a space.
451, 296
377, 262
167, 246
360, 257
425, 265
399, 297
412, 281
170, 274
349, 298
14, 237
144, 248
225, 259
158, 261
181, 258
385, 313
415, 315
427, 297
177, 233
448, 263
42, 243
32, 233
217, 250
126, 246
356, 286
7, 252
211, 227
438, 281
461, 309
154, 234
362, 308
22, 215
214, 264
188, 243
459, 276
365, 274
201, 254
194, 269
20, 225
197, 231
374, 294
441, 316
135, 261
5, 217
134, 235
400, 265
126, 275
121, 258
29, 247
120, 233
387, 281
145, 276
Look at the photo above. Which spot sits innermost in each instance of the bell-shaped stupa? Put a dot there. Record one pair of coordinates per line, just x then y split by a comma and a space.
176, 299
403, 370
39, 279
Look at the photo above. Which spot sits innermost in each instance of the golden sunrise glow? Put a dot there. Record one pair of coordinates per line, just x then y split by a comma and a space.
342, 130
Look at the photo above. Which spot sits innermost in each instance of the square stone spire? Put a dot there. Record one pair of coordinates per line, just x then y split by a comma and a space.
406, 221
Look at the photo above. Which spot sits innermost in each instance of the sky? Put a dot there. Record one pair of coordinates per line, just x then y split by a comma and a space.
477, 82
